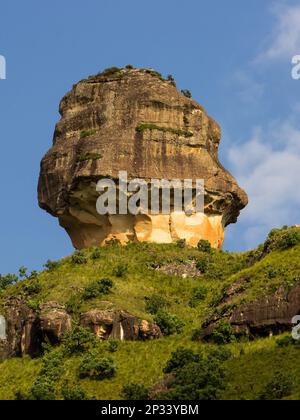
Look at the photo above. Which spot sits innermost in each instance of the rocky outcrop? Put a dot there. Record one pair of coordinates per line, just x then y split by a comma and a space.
23, 331
265, 316
119, 325
133, 120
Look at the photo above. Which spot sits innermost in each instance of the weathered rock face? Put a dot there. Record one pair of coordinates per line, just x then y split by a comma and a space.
134, 121
265, 316
119, 325
22, 330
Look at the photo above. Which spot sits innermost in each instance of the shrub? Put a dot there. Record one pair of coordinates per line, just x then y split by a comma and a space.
155, 303
51, 265
111, 71
169, 324
223, 334
121, 270
135, 392
87, 133
202, 265
23, 271
113, 346
186, 93
33, 288
199, 294
73, 305
79, 258
279, 387
204, 246
97, 288
287, 341
181, 243
73, 393
180, 358
289, 239
129, 67
96, 253
78, 340
83, 157
94, 367
42, 390
196, 377
8, 280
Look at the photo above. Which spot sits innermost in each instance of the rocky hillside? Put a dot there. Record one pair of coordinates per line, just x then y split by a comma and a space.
154, 321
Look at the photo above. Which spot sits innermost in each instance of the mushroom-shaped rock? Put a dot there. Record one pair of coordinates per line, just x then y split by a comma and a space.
132, 120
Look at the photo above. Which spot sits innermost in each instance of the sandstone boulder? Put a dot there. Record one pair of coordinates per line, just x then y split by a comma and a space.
119, 325
54, 322
133, 120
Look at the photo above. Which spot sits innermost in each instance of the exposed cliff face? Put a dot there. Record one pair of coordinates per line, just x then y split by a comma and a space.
134, 121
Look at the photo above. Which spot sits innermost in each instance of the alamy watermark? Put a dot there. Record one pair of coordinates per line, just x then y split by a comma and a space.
157, 196
2, 67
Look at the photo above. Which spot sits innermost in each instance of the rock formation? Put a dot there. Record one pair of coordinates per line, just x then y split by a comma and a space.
23, 330
265, 316
133, 120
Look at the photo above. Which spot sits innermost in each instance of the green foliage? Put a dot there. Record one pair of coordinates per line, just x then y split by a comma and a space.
287, 341
135, 392
113, 346
95, 367
169, 324
87, 133
33, 287
111, 71
129, 67
121, 270
8, 280
196, 376
96, 253
73, 393
79, 257
223, 334
97, 288
78, 340
179, 358
154, 73
181, 243
278, 388
199, 294
283, 239
42, 390
187, 93
204, 246
23, 271
73, 305
147, 126
83, 157
202, 265
51, 265
155, 303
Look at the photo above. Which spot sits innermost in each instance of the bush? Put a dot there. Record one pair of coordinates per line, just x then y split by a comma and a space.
155, 303
135, 392
169, 324
33, 288
42, 390
199, 294
282, 239
94, 367
87, 133
51, 265
83, 157
79, 258
287, 341
186, 93
73, 305
8, 280
223, 334
181, 243
289, 239
97, 288
129, 67
78, 340
202, 265
196, 377
204, 246
73, 393
279, 387
96, 253
180, 358
121, 270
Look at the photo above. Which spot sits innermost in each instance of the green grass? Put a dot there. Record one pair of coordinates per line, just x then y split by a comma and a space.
253, 363
143, 127
88, 156
87, 133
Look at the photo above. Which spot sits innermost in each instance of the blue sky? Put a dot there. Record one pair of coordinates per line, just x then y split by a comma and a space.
234, 56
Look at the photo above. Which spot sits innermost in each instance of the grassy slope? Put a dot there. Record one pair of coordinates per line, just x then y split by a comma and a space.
143, 362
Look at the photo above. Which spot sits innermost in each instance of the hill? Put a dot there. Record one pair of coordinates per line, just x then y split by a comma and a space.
163, 298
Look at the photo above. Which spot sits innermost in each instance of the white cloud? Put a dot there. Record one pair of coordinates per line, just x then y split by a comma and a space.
284, 41
268, 167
